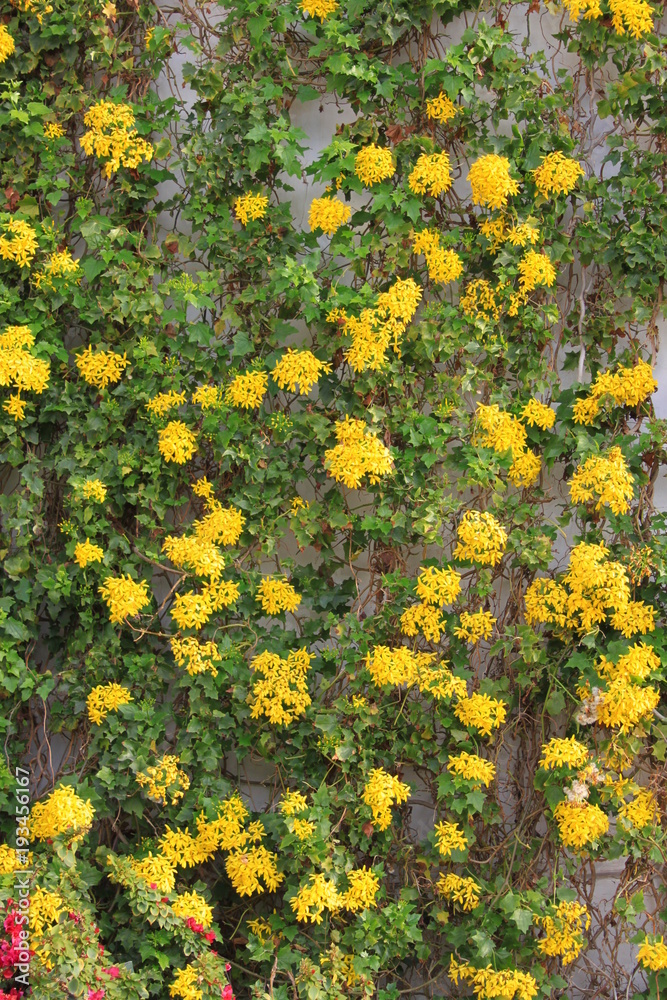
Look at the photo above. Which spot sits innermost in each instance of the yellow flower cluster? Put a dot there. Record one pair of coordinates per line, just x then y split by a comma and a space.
196, 554
124, 597
206, 396
192, 905
293, 803
164, 780
112, 137
276, 595
358, 453
374, 164
480, 300
653, 954
221, 524
538, 414
303, 828
449, 837
106, 698
319, 8
403, 666
443, 265
641, 811
176, 442
475, 626
165, 401
250, 206
199, 657
632, 16
496, 429
185, 984
580, 823
480, 538
472, 768
604, 478
459, 889
425, 619
557, 174
627, 387
7, 45
247, 390
491, 182
155, 871
563, 931
300, 368
52, 130
375, 329
45, 909
567, 752
60, 264
481, 712
9, 860
440, 108
62, 812
20, 244
282, 693
432, 174
19, 369
101, 368
320, 894
246, 868
381, 792
192, 610
535, 269
623, 705
637, 664
328, 214
592, 587
94, 489
87, 552
489, 983
438, 586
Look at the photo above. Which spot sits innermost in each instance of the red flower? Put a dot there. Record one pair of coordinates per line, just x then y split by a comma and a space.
112, 971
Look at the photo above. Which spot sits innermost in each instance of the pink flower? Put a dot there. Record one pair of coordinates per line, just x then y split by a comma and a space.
96, 994
112, 971
227, 966
228, 993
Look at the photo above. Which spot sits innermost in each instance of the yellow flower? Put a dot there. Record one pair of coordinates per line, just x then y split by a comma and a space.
250, 206
458, 889
276, 595
328, 214
246, 866
303, 828
358, 453
61, 812
11, 860
94, 489
480, 299
641, 811
605, 478
653, 954
580, 823
525, 469
557, 174
185, 984
443, 265
481, 712
481, 539
155, 870
165, 401
247, 390
438, 586
176, 442
374, 164
536, 413
431, 175
375, 329
45, 909
472, 768
281, 695
195, 554
7, 45
199, 657
362, 889
206, 396
563, 753
111, 137
87, 552
633, 16
623, 705
639, 661
102, 368
627, 387
19, 369
300, 368
563, 931
521, 235
124, 597
106, 698
491, 182
192, 905
535, 269
440, 108
424, 618
633, 617
506, 984
22, 245
316, 896
494, 428
15, 406
221, 524
476, 626
318, 8
60, 264
450, 837
292, 803
52, 130
164, 780
381, 792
